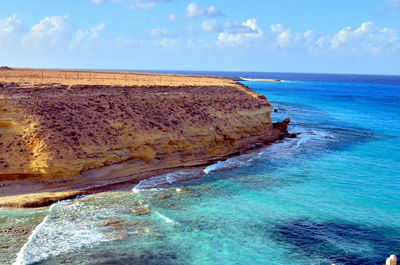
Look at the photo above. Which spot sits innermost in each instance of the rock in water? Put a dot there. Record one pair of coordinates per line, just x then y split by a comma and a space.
282, 126
140, 211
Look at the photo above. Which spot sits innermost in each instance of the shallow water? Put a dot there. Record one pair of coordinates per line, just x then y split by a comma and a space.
331, 195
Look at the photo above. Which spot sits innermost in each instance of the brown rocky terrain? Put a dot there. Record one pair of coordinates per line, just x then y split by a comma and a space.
61, 137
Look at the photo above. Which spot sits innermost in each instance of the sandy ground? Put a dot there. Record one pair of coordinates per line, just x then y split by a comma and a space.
29, 77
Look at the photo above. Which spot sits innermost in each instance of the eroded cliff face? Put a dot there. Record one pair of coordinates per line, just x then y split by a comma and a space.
81, 132
62, 131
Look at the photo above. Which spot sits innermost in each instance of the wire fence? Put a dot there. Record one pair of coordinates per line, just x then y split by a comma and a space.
104, 78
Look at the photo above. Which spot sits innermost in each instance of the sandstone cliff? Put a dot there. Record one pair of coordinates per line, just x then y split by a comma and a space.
59, 135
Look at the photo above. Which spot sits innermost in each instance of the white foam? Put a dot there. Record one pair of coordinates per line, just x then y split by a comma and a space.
213, 167
167, 179
278, 150
166, 219
21, 254
228, 164
66, 228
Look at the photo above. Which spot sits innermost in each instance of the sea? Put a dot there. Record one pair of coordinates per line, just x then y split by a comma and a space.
329, 196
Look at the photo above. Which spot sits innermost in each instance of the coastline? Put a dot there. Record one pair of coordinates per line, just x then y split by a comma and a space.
258, 79
46, 194
235, 121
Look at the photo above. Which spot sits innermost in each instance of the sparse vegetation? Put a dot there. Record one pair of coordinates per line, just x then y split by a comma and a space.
29, 77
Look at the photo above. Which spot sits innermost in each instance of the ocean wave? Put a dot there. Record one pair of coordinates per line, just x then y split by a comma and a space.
167, 179
65, 229
21, 256
279, 150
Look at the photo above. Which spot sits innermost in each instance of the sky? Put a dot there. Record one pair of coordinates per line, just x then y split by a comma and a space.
309, 36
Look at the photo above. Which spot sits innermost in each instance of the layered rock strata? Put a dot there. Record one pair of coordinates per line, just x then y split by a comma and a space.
58, 137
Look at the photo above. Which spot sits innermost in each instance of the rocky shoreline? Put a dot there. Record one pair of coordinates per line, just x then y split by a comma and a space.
58, 141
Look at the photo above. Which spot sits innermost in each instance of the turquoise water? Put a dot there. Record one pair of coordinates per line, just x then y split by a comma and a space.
331, 195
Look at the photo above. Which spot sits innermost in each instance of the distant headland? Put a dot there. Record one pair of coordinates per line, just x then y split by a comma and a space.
66, 132
258, 79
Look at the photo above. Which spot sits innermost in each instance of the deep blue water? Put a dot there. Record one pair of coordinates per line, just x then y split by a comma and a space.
331, 195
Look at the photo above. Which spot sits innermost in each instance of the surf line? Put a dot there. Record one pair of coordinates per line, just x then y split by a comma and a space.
20, 256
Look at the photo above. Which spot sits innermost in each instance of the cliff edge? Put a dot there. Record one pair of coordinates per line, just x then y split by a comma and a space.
61, 140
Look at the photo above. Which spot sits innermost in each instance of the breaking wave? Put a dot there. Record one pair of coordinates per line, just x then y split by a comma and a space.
286, 148
67, 227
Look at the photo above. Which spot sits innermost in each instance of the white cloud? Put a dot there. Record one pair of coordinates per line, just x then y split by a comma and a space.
368, 37
136, 5
164, 33
141, 6
85, 39
11, 30
210, 26
168, 43
50, 32
172, 17
285, 38
240, 34
128, 44
56, 33
212, 11
192, 10
161, 33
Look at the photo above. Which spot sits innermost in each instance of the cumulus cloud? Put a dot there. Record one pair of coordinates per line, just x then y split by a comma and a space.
240, 33
56, 33
11, 30
368, 37
285, 38
85, 39
50, 32
192, 10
